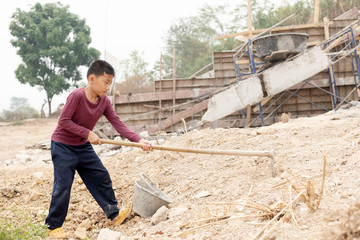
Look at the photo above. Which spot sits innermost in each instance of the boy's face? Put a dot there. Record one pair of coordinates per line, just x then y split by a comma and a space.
100, 84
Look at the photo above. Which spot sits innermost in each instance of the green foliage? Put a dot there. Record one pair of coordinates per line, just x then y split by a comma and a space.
52, 43
19, 110
193, 40
18, 225
135, 66
135, 76
193, 37
265, 15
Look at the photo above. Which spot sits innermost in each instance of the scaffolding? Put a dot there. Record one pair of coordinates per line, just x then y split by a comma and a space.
345, 40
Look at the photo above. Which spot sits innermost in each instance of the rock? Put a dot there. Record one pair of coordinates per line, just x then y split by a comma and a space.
37, 182
254, 133
126, 149
144, 134
177, 211
35, 196
109, 153
85, 224
38, 174
202, 194
138, 159
161, 215
10, 161
80, 233
7, 192
45, 158
23, 158
79, 181
107, 234
44, 144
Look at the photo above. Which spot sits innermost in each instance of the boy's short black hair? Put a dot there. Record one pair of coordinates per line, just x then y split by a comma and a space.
99, 67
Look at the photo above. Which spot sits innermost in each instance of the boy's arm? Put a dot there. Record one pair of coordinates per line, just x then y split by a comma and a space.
65, 121
119, 126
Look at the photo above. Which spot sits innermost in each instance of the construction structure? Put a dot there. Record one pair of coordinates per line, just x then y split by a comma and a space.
244, 89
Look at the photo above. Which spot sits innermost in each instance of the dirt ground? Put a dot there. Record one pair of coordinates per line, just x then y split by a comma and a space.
215, 196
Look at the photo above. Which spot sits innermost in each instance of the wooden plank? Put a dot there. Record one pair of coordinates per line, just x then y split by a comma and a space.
350, 14
326, 28
183, 114
193, 83
149, 97
316, 11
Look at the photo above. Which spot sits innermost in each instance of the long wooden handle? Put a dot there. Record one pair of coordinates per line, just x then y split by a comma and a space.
270, 154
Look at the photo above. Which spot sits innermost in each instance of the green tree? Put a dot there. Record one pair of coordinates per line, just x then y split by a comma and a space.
19, 109
53, 43
193, 40
135, 66
135, 76
266, 15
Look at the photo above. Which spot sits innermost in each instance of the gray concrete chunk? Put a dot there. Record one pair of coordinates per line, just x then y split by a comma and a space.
287, 74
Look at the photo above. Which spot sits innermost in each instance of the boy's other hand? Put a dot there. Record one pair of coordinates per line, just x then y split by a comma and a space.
93, 138
146, 145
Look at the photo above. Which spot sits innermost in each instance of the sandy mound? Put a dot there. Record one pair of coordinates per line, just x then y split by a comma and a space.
224, 197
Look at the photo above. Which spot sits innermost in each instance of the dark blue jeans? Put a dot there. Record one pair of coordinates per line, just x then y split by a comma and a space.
84, 160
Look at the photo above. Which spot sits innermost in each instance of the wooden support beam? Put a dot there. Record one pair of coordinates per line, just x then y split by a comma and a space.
316, 11
249, 19
310, 44
154, 96
174, 80
326, 28
262, 103
246, 61
183, 114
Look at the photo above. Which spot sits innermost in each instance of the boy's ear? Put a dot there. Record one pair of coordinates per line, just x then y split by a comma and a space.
91, 78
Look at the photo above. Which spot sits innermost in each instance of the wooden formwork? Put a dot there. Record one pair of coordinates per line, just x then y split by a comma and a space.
141, 111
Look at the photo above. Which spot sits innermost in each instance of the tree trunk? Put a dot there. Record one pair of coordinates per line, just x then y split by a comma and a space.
49, 105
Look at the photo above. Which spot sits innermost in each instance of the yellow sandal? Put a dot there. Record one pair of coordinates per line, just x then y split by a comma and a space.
123, 214
58, 233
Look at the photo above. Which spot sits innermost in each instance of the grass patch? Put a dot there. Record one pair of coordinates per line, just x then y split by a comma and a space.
17, 123
15, 224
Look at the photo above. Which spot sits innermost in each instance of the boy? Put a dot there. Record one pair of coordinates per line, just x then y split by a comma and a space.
71, 147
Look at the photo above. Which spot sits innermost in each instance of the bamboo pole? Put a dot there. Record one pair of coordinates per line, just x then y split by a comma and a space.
270, 153
248, 108
249, 19
160, 106
174, 86
316, 11
326, 28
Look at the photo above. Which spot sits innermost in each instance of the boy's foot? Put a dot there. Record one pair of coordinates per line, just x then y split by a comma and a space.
58, 233
123, 214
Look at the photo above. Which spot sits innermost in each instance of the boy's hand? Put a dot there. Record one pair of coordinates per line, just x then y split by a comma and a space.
93, 138
146, 145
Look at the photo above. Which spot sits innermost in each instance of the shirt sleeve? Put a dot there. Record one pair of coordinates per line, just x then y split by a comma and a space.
65, 121
119, 126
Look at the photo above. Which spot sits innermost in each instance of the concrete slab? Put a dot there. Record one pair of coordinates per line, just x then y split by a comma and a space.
287, 74
244, 93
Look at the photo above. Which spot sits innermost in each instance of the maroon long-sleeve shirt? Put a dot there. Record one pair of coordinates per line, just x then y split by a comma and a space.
79, 117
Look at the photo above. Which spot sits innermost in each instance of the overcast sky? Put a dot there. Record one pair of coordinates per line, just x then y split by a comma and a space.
119, 26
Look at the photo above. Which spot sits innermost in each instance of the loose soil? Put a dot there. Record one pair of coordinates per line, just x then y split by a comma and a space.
241, 195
